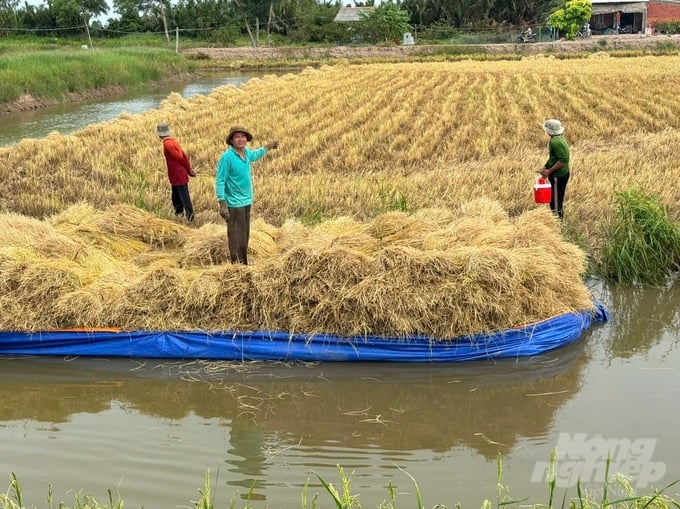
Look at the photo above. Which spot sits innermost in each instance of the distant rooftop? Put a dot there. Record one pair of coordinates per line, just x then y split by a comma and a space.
351, 13
610, 6
618, 2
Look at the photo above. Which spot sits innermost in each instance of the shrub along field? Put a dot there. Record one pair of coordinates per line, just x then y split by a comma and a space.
400, 198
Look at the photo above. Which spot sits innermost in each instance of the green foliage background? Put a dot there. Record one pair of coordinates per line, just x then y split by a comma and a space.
572, 17
300, 21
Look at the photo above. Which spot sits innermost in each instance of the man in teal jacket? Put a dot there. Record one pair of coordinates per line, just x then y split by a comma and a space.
234, 189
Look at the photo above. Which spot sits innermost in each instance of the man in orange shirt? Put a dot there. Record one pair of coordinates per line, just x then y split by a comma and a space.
179, 171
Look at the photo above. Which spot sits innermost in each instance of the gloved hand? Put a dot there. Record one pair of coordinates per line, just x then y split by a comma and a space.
224, 211
272, 145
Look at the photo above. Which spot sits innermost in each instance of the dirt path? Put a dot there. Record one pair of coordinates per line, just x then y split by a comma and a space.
602, 43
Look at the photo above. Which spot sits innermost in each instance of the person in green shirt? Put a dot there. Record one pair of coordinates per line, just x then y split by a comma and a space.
234, 189
556, 168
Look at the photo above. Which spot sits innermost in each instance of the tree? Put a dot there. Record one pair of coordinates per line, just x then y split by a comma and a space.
470, 13
77, 13
571, 17
313, 22
8, 13
74, 12
208, 17
164, 19
40, 16
142, 16
523, 11
385, 23
130, 17
137, 16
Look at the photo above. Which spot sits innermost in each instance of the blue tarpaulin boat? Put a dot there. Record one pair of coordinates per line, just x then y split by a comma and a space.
529, 340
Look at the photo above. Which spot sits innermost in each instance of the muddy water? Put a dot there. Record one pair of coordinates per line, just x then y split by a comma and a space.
151, 430
67, 118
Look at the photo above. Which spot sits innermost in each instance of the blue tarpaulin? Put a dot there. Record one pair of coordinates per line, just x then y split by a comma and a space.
529, 340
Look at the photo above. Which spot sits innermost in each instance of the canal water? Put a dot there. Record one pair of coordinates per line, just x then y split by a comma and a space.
69, 117
150, 431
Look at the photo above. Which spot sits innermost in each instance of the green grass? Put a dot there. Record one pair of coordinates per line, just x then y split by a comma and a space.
25, 43
53, 73
642, 244
28, 43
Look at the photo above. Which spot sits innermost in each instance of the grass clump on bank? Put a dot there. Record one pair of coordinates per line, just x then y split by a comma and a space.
53, 74
642, 243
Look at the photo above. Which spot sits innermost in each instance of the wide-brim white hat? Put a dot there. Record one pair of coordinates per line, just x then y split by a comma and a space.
553, 127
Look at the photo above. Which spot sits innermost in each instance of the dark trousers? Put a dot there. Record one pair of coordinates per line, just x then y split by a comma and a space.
181, 201
238, 234
559, 189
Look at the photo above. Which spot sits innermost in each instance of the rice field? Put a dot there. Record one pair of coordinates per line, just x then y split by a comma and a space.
357, 139
418, 174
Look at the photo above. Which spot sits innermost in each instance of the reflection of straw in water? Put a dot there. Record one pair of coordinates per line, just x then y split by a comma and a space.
549, 393
269, 453
357, 412
378, 420
488, 440
203, 370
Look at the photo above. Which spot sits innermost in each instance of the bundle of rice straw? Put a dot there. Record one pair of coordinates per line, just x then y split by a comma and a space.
438, 273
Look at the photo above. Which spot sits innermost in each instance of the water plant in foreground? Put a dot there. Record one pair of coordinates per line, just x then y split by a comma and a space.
13, 499
617, 485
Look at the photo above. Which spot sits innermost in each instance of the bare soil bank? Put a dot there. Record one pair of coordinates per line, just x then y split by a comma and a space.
29, 102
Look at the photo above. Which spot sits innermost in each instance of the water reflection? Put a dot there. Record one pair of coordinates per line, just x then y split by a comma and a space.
248, 451
644, 318
67, 118
399, 408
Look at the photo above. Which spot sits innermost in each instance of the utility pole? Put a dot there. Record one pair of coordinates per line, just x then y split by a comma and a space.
165, 22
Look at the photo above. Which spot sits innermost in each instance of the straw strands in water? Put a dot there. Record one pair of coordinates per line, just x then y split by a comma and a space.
442, 273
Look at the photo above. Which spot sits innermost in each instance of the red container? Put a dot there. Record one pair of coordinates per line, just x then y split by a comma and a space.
542, 191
